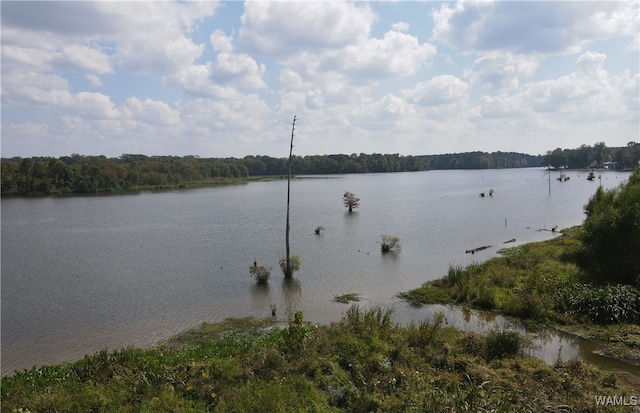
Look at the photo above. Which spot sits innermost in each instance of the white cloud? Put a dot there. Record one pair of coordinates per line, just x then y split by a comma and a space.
221, 42
586, 95
401, 27
396, 54
94, 80
538, 27
502, 71
279, 28
31, 88
151, 112
92, 105
240, 69
174, 78
82, 57
440, 90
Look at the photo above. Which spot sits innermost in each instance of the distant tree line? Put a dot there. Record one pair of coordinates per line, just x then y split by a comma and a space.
87, 174
482, 160
596, 156
84, 174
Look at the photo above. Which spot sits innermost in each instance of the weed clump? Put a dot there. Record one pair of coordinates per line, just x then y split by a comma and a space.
502, 344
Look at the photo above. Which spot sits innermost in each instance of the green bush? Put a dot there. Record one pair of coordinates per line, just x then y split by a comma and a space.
501, 344
610, 304
297, 334
611, 235
389, 243
260, 273
294, 261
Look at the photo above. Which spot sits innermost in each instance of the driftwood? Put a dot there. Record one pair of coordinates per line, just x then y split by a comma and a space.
511, 240
473, 251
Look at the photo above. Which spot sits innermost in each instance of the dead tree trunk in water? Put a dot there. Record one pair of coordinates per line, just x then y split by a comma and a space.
288, 271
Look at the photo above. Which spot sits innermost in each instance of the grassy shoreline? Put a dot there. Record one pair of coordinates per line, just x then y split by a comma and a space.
530, 282
150, 188
363, 363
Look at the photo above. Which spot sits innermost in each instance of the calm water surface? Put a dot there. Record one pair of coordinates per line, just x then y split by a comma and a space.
83, 274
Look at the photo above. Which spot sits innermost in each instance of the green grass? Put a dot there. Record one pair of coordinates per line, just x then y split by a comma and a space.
522, 282
363, 363
541, 284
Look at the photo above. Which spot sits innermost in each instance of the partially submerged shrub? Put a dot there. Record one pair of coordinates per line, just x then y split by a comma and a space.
260, 273
389, 243
346, 298
294, 261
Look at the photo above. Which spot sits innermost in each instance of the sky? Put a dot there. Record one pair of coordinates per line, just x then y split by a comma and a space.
224, 79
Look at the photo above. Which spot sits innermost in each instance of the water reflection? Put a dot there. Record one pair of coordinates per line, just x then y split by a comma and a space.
261, 298
549, 345
392, 255
292, 295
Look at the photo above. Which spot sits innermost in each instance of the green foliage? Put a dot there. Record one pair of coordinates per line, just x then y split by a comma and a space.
556, 159
389, 243
611, 235
82, 174
260, 273
363, 363
626, 157
294, 262
297, 334
501, 344
523, 282
609, 304
346, 298
482, 160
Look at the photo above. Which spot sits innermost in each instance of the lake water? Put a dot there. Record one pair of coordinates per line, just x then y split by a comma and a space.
87, 273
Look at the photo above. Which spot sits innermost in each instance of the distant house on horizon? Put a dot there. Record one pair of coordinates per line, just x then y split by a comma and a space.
604, 165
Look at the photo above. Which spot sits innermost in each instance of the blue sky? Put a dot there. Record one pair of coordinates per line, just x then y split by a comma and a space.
218, 79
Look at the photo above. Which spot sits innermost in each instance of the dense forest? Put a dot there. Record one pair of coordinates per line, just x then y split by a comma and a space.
596, 156
86, 174
90, 174
482, 160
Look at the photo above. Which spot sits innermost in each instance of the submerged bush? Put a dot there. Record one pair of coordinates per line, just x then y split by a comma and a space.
260, 273
294, 261
609, 304
389, 243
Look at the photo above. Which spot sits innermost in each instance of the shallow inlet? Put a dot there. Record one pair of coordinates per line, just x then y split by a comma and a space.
547, 344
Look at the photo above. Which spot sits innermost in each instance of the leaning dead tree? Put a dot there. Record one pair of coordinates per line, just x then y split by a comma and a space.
287, 268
